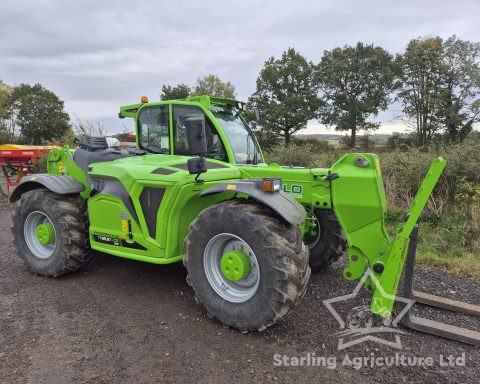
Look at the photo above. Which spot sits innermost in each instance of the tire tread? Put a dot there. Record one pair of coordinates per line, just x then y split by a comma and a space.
72, 219
284, 240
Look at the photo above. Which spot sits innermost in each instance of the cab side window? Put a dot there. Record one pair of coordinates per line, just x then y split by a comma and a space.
154, 129
215, 148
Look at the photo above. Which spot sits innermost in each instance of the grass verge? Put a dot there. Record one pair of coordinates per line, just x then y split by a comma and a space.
466, 265
446, 242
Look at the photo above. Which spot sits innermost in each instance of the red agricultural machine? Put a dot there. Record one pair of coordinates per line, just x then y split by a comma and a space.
17, 161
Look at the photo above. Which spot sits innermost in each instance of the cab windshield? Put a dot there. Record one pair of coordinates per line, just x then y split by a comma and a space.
239, 135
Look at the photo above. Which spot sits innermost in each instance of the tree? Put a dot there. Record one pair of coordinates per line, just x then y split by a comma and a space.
460, 95
212, 85
38, 113
179, 91
5, 92
355, 84
440, 87
286, 95
422, 70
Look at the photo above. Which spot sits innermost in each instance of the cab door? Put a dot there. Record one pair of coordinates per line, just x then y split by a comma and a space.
153, 127
215, 148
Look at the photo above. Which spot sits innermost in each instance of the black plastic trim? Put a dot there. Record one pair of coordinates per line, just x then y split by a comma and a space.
119, 242
164, 171
115, 188
150, 200
184, 166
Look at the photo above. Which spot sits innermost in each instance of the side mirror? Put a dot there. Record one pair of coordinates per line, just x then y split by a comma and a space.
197, 140
197, 165
257, 115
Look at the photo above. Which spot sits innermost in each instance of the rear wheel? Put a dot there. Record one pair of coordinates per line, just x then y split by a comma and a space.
51, 232
325, 239
248, 267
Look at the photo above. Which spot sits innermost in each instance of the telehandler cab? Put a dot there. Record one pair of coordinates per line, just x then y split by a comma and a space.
196, 188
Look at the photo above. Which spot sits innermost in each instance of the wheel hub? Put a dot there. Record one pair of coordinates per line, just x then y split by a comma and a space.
231, 267
45, 233
235, 265
39, 234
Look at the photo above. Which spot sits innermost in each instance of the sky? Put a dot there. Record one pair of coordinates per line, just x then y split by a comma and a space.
99, 55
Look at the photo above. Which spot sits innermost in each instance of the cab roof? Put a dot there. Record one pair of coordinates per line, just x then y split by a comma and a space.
206, 101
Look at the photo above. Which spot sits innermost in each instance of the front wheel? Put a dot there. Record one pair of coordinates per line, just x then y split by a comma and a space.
51, 232
248, 267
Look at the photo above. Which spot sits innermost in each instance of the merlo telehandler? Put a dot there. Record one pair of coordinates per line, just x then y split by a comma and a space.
196, 188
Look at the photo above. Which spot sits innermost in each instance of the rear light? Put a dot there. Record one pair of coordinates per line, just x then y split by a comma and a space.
272, 185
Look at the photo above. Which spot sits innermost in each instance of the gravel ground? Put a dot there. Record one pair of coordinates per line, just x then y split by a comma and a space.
120, 321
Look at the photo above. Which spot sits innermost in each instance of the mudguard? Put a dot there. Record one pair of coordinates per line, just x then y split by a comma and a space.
282, 203
63, 185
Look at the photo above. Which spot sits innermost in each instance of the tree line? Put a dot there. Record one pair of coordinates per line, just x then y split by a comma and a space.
210, 85
435, 84
34, 115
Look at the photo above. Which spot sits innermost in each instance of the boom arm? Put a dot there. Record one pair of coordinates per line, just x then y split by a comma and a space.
382, 302
359, 201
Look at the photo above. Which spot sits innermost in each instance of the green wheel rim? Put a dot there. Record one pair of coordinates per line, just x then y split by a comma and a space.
235, 265
45, 233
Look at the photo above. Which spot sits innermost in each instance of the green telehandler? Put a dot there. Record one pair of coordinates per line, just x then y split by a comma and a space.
196, 188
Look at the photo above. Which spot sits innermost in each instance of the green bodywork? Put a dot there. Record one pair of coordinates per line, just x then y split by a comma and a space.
352, 187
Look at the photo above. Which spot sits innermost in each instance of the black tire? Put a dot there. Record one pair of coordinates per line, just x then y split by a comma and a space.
68, 214
330, 245
282, 259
